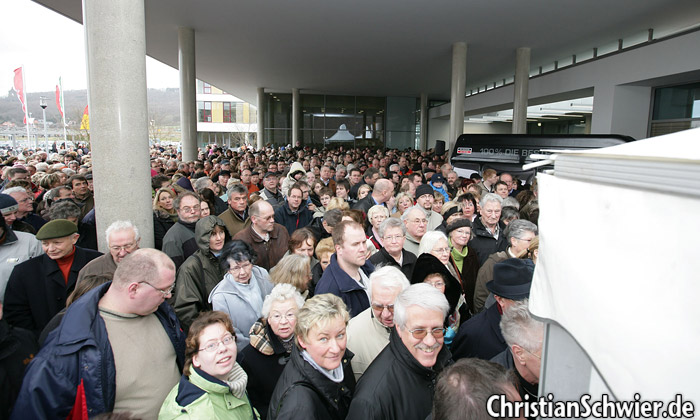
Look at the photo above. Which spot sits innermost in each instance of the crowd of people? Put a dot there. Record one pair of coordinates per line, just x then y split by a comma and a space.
284, 283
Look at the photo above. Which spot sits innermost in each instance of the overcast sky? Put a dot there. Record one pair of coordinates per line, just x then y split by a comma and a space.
50, 46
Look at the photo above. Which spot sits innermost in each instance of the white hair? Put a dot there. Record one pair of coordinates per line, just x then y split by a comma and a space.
518, 327
280, 293
487, 198
408, 211
387, 277
423, 295
120, 225
377, 208
428, 241
9, 191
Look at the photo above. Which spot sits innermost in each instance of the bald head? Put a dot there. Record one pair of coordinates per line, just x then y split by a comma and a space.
260, 207
141, 266
383, 190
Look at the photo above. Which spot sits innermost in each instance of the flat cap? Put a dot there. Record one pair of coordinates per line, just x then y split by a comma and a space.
58, 228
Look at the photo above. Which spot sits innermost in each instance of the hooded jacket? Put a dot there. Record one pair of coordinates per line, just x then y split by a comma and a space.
198, 275
77, 357
302, 392
396, 386
336, 281
289, 180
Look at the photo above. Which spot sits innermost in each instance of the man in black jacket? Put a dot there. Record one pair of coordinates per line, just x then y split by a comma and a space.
488, 229
38, 288
399, 383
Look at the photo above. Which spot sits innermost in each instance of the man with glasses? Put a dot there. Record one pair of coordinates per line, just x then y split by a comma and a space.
122, 239
399, 383
519, 234
118, 348
416, 221
393, 234
368, 333
25, 208
38, 288
179, 241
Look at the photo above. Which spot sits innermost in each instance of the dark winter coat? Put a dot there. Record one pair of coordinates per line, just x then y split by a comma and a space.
37, 290
17, 348
383, 258
484, 243
78, 354
179, 242
293, 220
336, 281
198, 275
480, 336
162, 222
395, 386
264, 370
302, 392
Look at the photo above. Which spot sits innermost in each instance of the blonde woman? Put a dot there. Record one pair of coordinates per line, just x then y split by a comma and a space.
164, 214
293, 269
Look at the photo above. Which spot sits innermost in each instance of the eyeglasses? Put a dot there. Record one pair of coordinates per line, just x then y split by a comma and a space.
192, 209
380, 308
226, 341
26, 200
420, 221
165, 292
242, 267
278, 317
538, 357
420, 333
442, 250
393, 238
126, 247
437, 284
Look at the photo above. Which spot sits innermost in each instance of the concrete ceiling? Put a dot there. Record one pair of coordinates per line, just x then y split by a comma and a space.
378, 48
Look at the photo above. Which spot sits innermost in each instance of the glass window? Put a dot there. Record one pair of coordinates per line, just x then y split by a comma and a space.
227, 112
676, 108
204, 111
206, 88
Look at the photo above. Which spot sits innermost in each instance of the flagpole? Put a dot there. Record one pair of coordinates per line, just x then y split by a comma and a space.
26, 106
63, 108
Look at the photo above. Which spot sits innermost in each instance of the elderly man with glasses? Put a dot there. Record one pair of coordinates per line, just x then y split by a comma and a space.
368, 332
122, 239
179, 242
399, 382
118, 348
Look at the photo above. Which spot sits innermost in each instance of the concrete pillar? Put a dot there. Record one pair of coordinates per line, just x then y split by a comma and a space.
520, 87
296, 115
188, 93
261, 117
458, 92
621, 110
115, 41
423, 121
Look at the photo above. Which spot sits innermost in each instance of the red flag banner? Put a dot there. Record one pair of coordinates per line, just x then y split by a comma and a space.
58, 100
85, 123
19, 88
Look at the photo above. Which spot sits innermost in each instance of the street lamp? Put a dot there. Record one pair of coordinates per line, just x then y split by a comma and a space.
42, 104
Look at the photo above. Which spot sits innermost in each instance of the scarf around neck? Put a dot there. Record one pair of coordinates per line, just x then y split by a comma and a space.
336, 375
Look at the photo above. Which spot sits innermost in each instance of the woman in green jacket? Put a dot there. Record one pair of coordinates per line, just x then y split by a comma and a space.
213, 385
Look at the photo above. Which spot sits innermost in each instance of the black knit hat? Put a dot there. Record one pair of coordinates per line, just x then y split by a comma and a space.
452, 210
459, 223
428, 264
7, 204
424, 189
